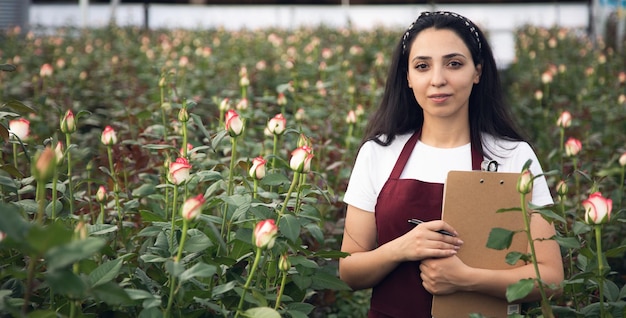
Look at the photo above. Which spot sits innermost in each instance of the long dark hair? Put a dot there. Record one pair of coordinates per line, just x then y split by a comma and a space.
399, 112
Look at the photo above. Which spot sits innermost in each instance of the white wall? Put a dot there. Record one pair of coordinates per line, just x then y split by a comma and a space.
498, 20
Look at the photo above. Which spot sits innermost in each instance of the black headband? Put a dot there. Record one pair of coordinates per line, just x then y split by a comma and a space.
472, 28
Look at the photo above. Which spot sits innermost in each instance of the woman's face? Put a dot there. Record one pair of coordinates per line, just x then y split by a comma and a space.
442, 74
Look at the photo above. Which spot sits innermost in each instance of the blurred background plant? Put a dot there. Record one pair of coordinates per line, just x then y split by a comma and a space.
166, 93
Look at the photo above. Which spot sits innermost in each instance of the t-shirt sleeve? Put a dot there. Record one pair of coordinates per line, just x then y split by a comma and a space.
361, 192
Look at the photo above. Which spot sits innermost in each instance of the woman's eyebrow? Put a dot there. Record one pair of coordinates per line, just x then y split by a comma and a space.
447, 56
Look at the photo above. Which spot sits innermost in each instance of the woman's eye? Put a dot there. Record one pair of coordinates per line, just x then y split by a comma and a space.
455, 64
421, 66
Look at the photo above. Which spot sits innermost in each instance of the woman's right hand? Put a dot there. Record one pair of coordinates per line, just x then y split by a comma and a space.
423, 241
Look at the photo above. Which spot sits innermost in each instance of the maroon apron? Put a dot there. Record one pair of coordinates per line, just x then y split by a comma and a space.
400, 293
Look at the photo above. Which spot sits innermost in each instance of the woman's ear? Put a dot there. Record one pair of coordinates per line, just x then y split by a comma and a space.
407, 79
479, 72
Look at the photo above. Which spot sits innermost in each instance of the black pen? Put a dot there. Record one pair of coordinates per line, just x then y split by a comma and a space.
418, 222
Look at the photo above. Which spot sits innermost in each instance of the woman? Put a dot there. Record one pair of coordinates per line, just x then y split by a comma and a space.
442, 110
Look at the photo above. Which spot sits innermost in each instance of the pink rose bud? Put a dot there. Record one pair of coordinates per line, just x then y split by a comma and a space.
2, 236
244, 81
301, 159
265, 233
101, 194
525, 182
300, 114
351, 117
597, 209
234, 124
360, 111
565, 120
45, 161
19, 128
622, 160
561, 188
572, 147
192, 208
283, 263
58, 152
225, 104
281, 99
46, 70
303, 140
277, 125
68, 123
257, 171
546, 77
242, 104
109, 137
179, 171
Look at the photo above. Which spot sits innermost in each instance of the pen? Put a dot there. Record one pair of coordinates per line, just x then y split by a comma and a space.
418, 222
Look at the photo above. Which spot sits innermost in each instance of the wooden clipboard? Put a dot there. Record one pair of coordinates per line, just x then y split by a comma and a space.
470, 202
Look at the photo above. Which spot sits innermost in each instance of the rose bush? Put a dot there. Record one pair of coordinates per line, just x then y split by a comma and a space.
169, 94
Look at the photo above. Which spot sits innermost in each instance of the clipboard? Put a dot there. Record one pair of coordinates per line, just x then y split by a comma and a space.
470, 202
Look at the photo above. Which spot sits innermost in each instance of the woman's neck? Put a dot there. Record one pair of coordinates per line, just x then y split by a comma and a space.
445, 135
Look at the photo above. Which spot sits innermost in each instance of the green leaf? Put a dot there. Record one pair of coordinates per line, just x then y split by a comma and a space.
157, 146
322, 280
105, 272
520, 289
19, 107
275, 179
261, 312
65, 282
622, 292
174, 268
304, 308
111, 294
198, 270
43, 239
7, 67
500, 239
611, 290
567, 242
616, 252
290, 227
302, 261
513, 257
508, 210
151, 258
221, 289
11, 170
101, 229
13, 224
144, 190
580, 228
197, 241
550, 215
64, 255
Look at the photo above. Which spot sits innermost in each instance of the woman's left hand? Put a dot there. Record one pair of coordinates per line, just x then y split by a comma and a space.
441, 276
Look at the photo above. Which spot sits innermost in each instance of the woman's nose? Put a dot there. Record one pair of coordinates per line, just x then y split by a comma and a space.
438, 78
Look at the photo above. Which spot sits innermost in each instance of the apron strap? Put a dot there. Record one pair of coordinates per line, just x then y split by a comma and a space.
405, 154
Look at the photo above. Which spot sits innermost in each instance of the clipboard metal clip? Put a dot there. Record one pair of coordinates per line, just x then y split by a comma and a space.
489, 165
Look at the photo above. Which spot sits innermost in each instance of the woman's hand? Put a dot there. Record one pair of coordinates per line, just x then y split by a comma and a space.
441, 276
424, 242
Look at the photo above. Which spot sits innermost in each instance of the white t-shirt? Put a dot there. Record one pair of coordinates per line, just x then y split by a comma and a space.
374, 163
